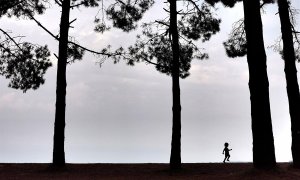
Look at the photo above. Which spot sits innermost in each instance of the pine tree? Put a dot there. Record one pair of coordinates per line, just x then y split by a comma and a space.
252, 44
70, 51
291, 77
169, 42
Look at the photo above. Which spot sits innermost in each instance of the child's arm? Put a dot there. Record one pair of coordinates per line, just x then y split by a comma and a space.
223, 151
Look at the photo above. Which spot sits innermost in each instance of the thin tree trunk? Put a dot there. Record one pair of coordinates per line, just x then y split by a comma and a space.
59, 126
175, 159
263, 142
291, 78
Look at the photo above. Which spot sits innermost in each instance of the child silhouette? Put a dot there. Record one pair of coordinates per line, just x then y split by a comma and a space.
226, 150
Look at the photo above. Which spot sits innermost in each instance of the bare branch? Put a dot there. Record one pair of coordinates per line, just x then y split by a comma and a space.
121, 2
77, 5
163, 23
58, 2
148, 61
43, 27
73, 21
12, 39
195, 5
70, 42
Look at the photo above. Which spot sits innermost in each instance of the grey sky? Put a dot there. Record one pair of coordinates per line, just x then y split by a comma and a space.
118, 113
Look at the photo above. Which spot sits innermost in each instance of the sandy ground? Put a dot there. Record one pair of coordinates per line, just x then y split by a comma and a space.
147, 171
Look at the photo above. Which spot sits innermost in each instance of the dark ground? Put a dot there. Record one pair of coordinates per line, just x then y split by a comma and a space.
147, 171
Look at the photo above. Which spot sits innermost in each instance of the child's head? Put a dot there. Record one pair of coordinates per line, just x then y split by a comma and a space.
226, 144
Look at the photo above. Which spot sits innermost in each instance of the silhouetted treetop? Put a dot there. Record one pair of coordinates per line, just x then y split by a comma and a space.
22, 7
200, 24
228, 3
23, 63
231, 3
154, 45
236, 45
158, 49
86, 3
125, 13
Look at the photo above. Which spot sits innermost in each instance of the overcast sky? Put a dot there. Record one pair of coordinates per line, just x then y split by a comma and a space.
122, 114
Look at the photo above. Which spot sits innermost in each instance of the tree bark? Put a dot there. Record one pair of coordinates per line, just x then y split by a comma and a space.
291, 78
59, 126
175, 158
263, 142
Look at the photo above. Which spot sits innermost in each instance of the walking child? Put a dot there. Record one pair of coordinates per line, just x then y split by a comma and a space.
226, 150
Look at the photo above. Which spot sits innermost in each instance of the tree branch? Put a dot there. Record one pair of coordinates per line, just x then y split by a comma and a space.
148, 61
163, 23
76, 5
58, 2
12, 39
195, 5
71, 42
121, 2
43, 27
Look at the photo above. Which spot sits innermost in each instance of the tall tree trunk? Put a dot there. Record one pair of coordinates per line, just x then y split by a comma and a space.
175, 159
291, 78
263, 142
59, 126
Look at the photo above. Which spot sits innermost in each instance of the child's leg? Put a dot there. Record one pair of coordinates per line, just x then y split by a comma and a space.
224, 159
228, 157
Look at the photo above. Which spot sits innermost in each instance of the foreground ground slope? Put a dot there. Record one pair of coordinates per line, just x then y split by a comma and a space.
146, 171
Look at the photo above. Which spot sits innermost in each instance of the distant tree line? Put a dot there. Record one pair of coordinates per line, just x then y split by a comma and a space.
169, 45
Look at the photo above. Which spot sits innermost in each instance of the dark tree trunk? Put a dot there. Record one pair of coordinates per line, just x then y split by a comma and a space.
175, 159
263, 142
291, 78
59, 126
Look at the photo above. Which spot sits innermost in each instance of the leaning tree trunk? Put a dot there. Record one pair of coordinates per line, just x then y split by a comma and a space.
263, 142
59, 126
175, 159
291, 78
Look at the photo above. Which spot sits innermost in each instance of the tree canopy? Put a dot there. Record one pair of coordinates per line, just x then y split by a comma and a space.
196, 22
23, 63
